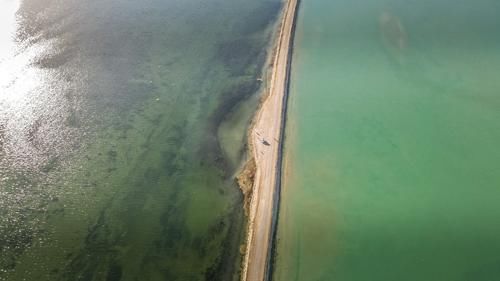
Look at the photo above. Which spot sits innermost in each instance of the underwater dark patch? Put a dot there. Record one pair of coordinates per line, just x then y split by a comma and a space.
238, 54
258, 19
114, 272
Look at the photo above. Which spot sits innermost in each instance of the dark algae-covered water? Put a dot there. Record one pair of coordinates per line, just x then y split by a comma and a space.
111, 114
392, 143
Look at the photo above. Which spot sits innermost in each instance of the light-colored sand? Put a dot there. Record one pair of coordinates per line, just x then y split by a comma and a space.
264, 142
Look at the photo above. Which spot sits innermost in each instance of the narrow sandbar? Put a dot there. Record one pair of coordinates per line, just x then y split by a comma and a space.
265, 142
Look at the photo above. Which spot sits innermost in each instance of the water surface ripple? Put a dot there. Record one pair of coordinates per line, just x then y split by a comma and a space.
110, 162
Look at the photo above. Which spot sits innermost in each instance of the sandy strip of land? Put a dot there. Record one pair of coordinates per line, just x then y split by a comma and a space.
265, 137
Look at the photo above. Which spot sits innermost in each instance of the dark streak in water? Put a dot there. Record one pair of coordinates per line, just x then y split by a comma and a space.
108, 98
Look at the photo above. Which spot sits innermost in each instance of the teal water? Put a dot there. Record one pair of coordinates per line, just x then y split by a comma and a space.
391, 165
112, 165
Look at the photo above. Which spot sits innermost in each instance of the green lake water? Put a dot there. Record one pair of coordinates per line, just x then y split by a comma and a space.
391, 168
122, 124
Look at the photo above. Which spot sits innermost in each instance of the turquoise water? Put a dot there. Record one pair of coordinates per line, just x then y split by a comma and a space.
391, 166
111, 163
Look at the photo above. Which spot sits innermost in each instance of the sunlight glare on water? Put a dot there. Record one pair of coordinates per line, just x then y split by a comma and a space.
110, 163
21, 85
7, 27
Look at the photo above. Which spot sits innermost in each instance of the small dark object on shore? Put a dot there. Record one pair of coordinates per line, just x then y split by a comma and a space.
265, 143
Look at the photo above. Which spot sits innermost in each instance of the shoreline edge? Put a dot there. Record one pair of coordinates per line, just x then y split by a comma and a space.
260, 180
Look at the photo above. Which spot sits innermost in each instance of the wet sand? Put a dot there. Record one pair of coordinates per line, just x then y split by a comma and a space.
265, 147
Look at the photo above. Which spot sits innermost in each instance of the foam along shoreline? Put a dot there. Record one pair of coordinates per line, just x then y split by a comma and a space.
265, 143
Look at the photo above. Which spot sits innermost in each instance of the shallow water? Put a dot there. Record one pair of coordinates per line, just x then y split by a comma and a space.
391, 166
110, 162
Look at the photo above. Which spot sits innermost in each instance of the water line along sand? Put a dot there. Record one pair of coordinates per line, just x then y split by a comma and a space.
264, 142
